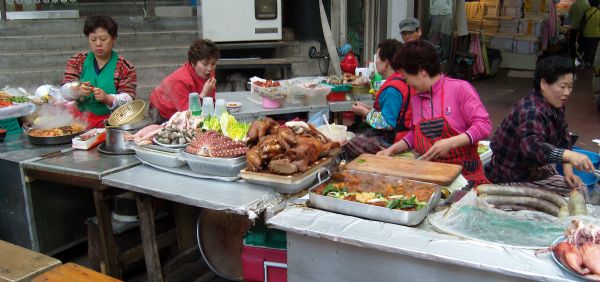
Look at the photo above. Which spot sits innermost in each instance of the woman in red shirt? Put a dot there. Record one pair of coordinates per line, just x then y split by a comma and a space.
196, 75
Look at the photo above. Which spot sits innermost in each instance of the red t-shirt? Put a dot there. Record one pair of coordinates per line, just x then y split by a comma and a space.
172, 94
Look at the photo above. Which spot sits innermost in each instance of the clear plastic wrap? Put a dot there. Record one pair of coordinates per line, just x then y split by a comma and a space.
474, 219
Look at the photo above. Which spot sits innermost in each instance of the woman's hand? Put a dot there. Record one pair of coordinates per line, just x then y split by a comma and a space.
102, 97
572, 180
386, 152
577, 160
209, 86
399, 147
360, 109
443, 146
85, 88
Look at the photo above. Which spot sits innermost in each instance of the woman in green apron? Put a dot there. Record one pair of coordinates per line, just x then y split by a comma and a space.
107, 79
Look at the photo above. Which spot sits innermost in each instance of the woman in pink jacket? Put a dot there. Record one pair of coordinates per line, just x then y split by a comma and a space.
448, 117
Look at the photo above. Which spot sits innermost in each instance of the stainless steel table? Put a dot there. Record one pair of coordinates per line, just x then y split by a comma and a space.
325, 246
251, 110
234, 197
75, 168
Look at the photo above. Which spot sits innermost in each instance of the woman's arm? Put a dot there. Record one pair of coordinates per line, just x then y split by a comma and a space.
126, 82
391, 104
74, 68
474, 113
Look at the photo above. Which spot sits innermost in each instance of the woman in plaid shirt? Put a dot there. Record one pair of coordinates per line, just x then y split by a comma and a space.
534, 136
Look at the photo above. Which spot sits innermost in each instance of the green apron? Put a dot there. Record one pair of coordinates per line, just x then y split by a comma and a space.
105, 81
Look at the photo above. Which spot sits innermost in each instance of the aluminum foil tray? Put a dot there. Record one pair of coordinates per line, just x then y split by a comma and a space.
159, 157
409, 218
225, 167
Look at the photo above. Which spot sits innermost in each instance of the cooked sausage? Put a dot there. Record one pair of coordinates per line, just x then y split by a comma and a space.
538, 204
491, 189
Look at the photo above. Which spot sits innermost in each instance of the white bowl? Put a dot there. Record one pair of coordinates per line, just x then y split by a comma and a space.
337, 132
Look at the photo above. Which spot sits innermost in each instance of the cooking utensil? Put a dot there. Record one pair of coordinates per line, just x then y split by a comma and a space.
426, 171
131, 112
115, 137
274, 180
56, 140
159, 157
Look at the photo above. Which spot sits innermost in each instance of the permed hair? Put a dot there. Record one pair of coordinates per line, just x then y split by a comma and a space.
387, 49
418, 55
203, 49
550, 69
100, 21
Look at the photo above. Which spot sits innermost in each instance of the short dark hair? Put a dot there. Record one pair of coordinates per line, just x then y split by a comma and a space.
594, 3
551, 69
106, 22
387, 49
418, 55
202, 49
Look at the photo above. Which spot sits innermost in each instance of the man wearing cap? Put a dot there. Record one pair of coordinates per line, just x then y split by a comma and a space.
410, 29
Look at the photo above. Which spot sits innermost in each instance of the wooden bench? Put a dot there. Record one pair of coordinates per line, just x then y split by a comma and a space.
73, 272
20, 264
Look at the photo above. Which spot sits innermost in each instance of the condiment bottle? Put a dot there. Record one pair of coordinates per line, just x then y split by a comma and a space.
194, 104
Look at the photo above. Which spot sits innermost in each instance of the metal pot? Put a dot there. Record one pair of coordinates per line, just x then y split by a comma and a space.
115, 136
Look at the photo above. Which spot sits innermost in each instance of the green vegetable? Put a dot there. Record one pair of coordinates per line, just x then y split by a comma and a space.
211, 123
393, 203
18, 99
328, 188
362, 161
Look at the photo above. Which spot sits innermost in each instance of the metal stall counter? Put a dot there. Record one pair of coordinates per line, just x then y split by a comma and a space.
236, 197
58, 207
326, 246
252, 110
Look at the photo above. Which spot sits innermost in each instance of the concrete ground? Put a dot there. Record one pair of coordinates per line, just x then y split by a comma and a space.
499, 93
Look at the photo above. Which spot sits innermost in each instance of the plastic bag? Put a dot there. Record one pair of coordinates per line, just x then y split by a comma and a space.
474, 219
16, 110
318, 118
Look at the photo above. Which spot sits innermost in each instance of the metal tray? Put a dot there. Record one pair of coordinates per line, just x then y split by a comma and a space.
568, 269
217, 168
297, 186
159, 157
409, 218
188, 172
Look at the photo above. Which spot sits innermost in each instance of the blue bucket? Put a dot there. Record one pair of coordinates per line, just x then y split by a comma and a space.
589, 179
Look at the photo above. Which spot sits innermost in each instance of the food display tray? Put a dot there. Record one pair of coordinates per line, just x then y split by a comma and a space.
317, 176
161, 158
566, 268
409, 218
186, 171
225, 167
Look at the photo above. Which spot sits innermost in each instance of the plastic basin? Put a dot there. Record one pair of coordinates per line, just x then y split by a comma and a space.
589, 179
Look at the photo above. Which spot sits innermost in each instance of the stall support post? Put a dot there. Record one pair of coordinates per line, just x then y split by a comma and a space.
3, 10
110, 263
146, 217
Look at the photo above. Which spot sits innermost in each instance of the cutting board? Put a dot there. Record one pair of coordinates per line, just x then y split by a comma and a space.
432, 172
267, 176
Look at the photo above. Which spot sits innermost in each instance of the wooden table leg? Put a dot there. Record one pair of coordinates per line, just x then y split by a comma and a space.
110, 263
146, 217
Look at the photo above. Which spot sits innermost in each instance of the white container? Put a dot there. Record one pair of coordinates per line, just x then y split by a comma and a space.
220, 107
337, 133
317, 96
208, 106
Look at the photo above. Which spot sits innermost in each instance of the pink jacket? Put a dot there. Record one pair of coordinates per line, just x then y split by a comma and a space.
462, 106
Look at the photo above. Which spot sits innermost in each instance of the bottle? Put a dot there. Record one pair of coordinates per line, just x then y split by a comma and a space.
194, 104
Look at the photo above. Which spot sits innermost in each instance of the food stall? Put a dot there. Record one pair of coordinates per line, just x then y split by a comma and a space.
342, 219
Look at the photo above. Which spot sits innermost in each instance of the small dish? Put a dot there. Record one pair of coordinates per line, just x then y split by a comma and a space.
233, 107
178, 146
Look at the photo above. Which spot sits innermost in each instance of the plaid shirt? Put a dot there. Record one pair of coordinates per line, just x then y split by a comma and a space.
531, 137
125, 75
